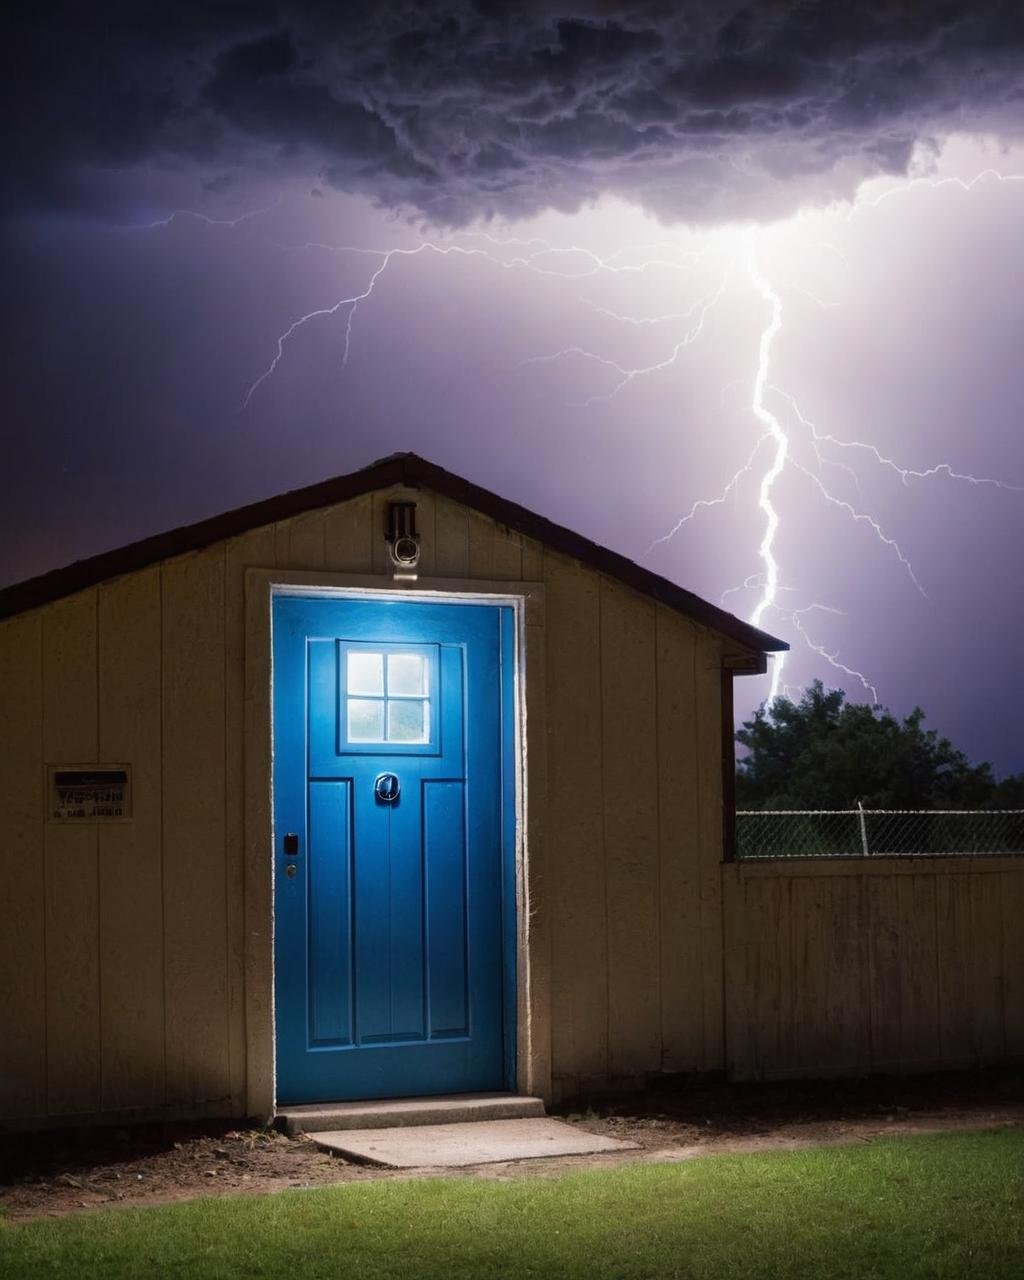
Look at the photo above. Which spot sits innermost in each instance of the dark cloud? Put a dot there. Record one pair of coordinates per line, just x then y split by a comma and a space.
458, 109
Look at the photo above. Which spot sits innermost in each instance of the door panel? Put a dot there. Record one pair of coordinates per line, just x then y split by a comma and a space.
391, 914
445, 864
330, 910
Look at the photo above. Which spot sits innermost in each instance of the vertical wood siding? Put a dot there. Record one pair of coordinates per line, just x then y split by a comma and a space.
124, 959
131, 925
629, 747
23, 870
194, 835
575, 834
123, 951
71, 863
883, 966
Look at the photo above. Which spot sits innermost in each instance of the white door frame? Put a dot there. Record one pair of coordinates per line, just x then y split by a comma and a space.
533, 1028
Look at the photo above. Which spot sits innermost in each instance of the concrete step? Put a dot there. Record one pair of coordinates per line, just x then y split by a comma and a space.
456, 1145
393, 1113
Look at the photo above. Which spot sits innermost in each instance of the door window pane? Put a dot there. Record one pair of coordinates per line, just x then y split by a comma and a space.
365, 720
407, 720
407, 675
386, 695
365, 672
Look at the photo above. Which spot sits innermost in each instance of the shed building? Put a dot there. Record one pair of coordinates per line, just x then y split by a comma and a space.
383, 787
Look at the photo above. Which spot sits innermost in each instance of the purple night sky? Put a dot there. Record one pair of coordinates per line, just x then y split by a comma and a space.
643, 248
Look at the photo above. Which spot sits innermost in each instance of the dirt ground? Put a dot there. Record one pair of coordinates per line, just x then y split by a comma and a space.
71, 1171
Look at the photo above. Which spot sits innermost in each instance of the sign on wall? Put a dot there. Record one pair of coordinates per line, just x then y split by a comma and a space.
89, 793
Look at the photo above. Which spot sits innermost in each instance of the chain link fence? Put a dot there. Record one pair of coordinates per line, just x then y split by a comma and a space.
854, 833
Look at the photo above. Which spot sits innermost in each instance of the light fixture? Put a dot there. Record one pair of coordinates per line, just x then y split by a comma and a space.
403, 540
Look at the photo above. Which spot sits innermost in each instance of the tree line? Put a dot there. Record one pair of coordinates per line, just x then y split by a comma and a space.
824, 752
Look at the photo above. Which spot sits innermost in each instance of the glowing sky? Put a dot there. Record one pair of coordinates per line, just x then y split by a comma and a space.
643, 362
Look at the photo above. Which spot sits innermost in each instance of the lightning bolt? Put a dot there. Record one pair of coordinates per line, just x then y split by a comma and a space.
703, 503
795, 617
592, 264
906, 474
766, 551
965, 185
784, 428
192, 215
767, 581
351, 302
627, 375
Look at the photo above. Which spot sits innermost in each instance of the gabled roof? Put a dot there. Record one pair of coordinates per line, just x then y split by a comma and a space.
400, 469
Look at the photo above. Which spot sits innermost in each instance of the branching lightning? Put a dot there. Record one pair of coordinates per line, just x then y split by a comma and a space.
191, 215
795, 617
593, 264
626, 375
906, 474
766, 551
861, 517
703, 503
966, 185
784, 434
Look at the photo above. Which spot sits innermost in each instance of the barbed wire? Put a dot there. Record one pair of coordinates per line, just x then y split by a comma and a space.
901, 833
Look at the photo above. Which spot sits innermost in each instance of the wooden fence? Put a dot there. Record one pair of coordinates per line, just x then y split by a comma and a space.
844, 967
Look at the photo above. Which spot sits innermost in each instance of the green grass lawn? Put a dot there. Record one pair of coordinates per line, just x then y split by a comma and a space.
936, 1206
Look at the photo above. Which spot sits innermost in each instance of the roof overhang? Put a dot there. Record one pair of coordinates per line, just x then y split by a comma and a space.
746, 654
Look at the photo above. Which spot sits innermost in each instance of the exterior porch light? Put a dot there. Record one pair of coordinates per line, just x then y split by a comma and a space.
403, 540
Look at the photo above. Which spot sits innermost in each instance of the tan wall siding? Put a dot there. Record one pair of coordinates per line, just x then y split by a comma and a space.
131, 924
890, 966
71, 863
23, 869
634, 834
124, 955
194, 829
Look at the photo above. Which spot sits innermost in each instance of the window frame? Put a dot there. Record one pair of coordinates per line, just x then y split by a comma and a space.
432, 656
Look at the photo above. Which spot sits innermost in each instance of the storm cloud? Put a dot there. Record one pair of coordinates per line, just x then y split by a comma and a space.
460, 110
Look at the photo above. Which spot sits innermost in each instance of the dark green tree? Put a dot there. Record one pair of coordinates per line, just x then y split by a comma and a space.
824, 752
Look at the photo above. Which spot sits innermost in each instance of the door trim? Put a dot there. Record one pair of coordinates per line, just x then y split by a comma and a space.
527, 1021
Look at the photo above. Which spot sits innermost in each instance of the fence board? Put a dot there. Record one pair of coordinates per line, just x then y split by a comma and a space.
886, 971
954, 945
920, 1037
987, 948
829, 1013
759, 1009
1011, 897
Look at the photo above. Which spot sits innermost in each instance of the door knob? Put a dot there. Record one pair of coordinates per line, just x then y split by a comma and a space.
387, 787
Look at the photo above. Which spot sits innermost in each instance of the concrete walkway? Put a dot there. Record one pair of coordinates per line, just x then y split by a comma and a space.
467, 1143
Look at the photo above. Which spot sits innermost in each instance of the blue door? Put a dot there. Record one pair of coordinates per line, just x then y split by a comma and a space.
394, 894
